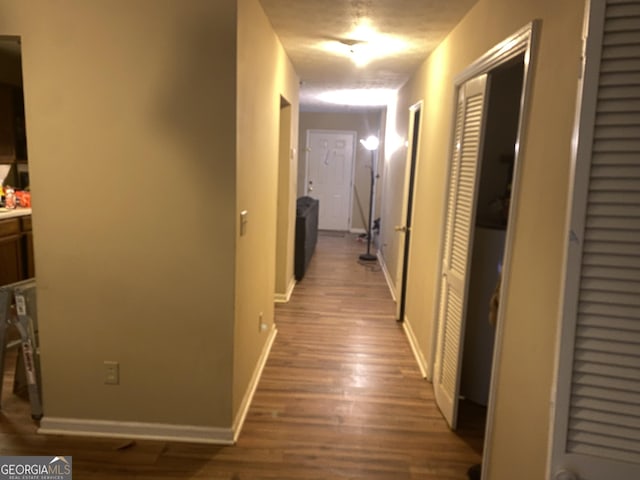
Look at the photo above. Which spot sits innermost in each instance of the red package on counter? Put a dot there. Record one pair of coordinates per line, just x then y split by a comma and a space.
23, 199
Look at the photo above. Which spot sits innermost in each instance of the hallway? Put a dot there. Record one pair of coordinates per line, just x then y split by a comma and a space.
340, 397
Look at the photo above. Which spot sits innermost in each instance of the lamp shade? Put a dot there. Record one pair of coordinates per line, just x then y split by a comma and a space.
370, 143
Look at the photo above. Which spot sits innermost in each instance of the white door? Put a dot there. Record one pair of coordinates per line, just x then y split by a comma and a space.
329, 176
460, 218
596, 423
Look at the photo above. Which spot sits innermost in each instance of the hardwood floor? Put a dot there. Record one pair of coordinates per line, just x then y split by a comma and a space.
341, 397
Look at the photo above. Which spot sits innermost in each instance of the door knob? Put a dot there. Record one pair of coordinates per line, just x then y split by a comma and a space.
310, 187
402, 228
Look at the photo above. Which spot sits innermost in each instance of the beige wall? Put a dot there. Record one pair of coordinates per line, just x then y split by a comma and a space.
365, 123
519, 439
260, 56
139, 165
136, 129
130, 113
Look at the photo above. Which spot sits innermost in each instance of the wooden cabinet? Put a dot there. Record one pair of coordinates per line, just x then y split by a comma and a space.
28, 265
16, 250
11, 259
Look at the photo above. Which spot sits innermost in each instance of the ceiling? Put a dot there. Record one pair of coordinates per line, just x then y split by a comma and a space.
318, 36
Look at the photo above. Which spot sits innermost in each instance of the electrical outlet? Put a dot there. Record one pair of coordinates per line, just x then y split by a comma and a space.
111, 373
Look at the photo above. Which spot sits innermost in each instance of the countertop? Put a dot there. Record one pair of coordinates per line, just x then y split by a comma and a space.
14, 212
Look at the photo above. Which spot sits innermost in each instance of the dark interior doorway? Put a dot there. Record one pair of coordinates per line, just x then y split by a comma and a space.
406, 228
493, 200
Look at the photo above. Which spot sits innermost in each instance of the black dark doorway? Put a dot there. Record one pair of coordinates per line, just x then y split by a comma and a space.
406, 228
494, 197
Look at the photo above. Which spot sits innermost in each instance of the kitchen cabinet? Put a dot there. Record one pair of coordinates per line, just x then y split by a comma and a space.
16, 249
11, 257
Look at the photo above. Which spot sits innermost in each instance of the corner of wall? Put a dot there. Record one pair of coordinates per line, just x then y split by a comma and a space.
241, 414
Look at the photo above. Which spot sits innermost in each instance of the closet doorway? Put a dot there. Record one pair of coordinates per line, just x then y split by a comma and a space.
483, 182
492, 217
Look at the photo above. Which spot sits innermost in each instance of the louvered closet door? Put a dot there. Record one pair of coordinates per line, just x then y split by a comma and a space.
460, 218
597, 416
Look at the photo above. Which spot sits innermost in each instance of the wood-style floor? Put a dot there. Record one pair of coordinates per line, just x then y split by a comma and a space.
341, 397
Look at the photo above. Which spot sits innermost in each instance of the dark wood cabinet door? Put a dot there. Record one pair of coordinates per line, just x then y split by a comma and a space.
10, 259
11, 269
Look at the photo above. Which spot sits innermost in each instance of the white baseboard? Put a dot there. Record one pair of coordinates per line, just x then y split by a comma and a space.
253, 384
285, 297
387, 277
135, 430
359, 231
415, 348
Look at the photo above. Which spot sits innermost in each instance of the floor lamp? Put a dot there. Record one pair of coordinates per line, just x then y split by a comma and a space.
371, 144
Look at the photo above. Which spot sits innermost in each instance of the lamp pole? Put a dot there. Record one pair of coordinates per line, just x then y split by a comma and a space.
371, 144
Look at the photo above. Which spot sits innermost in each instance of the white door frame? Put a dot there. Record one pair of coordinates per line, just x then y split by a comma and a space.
354, 134
524, 41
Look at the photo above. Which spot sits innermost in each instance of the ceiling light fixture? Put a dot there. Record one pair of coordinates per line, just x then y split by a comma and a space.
361, 53
364, 44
